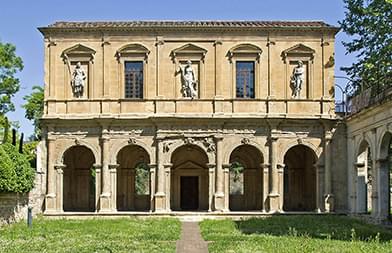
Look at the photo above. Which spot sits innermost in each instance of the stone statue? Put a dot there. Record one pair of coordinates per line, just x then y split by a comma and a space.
78, 80
189, 82
297, 79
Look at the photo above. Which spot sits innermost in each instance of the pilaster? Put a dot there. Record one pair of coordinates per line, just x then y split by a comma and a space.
220, 180
50, 198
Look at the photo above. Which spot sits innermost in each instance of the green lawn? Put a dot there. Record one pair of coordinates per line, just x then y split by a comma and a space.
92, 235
296, 234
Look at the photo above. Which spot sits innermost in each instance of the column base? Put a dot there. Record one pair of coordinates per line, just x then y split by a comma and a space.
104, 200
273, 201
160, 203
219, 200
329, 203
50, 203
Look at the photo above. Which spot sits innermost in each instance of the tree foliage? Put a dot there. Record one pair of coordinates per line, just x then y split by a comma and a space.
10, 64
16, 174
370, 24
34, 107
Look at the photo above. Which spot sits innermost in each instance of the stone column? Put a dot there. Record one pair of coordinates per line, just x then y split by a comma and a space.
167, 168
160, 201
50, 200
375, 184
280, 169
383, 188
113, 186
59, 189
317, 168
219, 193
226, 172
98, 186
273, 195
265, 167
105, 195
152, 185
361, 188
328, 196
211, 186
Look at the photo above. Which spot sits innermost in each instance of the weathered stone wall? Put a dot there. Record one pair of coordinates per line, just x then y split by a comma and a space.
338, 167
13, 206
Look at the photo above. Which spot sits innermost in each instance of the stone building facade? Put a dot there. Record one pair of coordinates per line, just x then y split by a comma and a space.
210, 116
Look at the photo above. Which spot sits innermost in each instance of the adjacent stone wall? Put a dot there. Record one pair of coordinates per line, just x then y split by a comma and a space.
13, 206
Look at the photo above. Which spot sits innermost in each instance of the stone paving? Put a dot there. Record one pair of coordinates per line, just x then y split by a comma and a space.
191, 240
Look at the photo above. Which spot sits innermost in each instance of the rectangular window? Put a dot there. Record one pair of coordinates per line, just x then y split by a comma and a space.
245, 79
133, 79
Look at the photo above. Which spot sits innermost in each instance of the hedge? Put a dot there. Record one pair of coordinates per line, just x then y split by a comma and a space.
16, 174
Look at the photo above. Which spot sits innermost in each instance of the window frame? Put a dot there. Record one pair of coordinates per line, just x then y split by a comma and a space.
143, 81
254, 79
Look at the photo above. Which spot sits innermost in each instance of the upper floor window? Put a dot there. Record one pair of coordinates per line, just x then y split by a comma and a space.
245, 79
133, 79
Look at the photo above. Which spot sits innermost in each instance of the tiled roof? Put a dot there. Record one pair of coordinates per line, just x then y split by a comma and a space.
191, 24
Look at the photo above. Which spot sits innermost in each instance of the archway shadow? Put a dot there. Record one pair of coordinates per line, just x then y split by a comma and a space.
315, 226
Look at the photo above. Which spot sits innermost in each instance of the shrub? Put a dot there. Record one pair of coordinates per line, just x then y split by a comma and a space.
16, 174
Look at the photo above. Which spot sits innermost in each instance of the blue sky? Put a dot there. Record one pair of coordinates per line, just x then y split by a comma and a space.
20, 18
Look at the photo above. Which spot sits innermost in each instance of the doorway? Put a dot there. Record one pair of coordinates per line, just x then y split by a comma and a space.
189, 199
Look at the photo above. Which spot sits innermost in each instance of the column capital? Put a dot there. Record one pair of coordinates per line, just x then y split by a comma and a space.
60, 168
273, 138
113, 166
104, 138
218, 138
211, 165
152, 165
97, 166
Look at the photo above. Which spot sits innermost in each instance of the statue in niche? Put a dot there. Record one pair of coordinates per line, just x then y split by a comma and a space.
297, 79
78, 80
189, 82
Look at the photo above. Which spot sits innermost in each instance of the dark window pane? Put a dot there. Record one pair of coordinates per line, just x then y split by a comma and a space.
245, 79
133, 79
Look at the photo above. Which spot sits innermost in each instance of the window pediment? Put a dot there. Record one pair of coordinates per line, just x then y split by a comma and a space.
131, 50
189, 164
79, 51
299, 49
245, 49
189, 49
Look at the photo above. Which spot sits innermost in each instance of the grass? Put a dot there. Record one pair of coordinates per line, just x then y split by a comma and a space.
92, 235
296, 234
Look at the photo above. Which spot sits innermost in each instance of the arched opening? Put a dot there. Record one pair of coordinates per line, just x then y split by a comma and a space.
133, 179
385, 177
79, 180
245, 179
300, 179
189, 179
364, 178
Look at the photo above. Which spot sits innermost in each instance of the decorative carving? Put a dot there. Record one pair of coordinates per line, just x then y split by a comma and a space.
77, 142
299, 140
78, 80
245, 141
209, 144
297, 79
166, 146
330, 63
189, 82
189, 140
132, 141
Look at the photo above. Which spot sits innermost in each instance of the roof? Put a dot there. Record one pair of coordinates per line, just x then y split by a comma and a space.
204, 25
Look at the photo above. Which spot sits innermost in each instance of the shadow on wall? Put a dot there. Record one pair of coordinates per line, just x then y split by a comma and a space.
314, 226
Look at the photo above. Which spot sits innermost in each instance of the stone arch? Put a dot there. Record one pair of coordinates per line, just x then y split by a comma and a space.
299, 180
94, 148
189, 178
385, 139
173, 145
317, 151
79, 181
246, 181
133, 178
361, 139
364, 173
120, 144
384, 176
245, 141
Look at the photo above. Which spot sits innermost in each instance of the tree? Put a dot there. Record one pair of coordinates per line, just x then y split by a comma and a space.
370, 23
10, 64
34, 107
